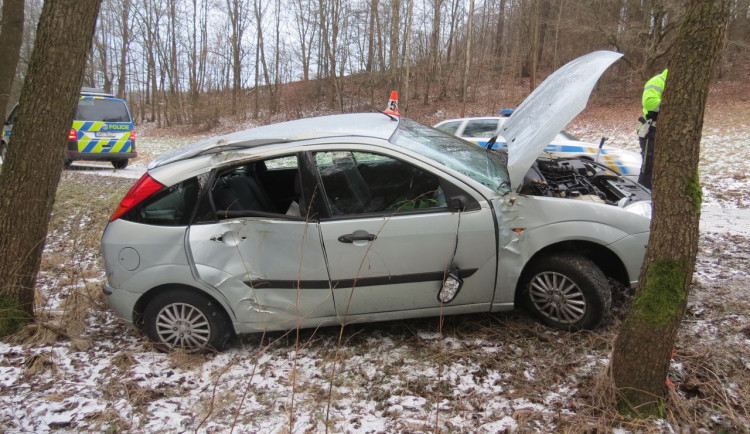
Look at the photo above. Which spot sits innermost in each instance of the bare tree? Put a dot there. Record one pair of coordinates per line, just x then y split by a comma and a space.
11, 37
32, 170
640, 360
467, 64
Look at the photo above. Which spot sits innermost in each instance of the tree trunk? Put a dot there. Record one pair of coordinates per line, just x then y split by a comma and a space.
434, 55
30, 176
11, 37
393, 44
467, 64
641, 355
124, 47
407, 55
500, 30
371, 35
533, 43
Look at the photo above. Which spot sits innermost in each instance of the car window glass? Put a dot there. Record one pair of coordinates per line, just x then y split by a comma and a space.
449, 127
102, 110
170, 207
362, 182
486, 167
480, 128
258, 188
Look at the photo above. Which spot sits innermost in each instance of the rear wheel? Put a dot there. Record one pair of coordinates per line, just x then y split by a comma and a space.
186, 320
120, 164
567, 291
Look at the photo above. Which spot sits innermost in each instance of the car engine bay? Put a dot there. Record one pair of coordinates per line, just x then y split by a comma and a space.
581, 179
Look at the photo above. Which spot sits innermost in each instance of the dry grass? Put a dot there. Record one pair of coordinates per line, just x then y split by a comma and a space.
412, 374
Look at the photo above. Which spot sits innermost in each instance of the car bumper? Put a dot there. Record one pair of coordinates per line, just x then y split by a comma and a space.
122, 302
103, 156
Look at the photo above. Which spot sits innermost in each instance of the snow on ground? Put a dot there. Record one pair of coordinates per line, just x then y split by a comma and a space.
476, 373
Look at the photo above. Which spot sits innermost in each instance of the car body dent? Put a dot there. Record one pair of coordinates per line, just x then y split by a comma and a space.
253, 270
528, 224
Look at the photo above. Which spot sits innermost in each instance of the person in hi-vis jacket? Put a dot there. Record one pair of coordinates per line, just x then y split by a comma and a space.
651, 100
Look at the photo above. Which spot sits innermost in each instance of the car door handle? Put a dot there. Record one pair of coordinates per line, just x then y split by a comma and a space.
358, 235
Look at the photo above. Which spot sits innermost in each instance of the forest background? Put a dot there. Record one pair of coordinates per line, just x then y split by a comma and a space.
195, 62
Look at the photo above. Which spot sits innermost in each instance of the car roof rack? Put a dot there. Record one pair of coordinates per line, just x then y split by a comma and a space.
95, 92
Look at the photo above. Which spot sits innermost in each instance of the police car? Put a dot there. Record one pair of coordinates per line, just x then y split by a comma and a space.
102, 130
479, 130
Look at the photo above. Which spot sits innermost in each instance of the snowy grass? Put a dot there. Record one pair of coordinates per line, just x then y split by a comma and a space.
79, 369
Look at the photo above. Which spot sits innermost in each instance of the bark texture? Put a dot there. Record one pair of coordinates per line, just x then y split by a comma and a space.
31, 173
11, 36
641, 356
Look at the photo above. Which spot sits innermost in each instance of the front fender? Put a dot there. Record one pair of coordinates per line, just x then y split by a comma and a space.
522, 245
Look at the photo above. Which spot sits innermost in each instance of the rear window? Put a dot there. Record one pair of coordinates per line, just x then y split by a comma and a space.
102, 110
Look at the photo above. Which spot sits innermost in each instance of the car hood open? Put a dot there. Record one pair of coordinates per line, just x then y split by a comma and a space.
549, 108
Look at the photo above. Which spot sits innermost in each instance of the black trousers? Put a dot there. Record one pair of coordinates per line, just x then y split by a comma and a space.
647, 152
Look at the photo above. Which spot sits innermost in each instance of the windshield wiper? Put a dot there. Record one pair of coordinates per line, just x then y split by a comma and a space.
491, 142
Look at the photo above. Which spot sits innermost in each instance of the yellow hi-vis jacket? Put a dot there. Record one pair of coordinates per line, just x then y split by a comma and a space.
652, 91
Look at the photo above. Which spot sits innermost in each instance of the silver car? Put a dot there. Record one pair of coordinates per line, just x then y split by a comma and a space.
371, 217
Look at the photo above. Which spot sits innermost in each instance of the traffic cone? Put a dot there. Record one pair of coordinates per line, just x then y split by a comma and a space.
392, 108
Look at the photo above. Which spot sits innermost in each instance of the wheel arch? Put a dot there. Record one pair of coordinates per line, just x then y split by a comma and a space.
604, 258
148, 296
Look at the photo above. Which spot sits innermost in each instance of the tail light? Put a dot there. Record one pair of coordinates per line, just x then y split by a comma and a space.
72, 135
132, 138
145, 187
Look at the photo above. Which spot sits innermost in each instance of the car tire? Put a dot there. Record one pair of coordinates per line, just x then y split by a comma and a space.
182, 319
567, 291
120, 164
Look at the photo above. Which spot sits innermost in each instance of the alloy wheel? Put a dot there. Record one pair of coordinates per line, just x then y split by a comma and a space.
557, 297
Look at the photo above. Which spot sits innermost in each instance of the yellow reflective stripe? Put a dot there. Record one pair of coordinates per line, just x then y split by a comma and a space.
120, 143
99, 146
78, 124
83, 143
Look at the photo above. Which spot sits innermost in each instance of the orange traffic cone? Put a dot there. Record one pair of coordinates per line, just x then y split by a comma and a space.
392, 108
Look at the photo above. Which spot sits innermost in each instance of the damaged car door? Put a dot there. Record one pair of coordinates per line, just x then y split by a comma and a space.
260, 252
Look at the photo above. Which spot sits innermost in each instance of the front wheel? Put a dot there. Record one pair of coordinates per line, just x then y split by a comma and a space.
120, 164
567, 291
181, 319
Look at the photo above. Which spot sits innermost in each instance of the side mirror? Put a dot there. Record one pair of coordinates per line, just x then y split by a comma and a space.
456, 204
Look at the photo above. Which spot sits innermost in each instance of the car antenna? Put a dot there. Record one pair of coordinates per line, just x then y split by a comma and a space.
392, 109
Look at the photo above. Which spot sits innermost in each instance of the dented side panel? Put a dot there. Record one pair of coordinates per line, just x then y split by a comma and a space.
272, 271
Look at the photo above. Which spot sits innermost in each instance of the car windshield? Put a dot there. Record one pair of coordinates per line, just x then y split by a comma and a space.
102, 110
484, 166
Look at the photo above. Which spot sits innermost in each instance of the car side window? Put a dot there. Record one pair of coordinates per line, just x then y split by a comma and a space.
449, 127
364, 183
480, 128
170, 207
264, 187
